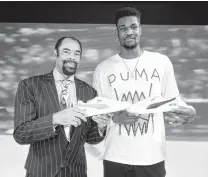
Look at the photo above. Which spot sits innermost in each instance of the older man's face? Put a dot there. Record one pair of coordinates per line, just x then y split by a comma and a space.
68, 57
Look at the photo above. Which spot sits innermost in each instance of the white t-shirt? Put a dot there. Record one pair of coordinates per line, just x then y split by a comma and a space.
141, 143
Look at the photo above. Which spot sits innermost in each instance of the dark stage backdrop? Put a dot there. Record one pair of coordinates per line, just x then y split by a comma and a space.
163, 12
26, 49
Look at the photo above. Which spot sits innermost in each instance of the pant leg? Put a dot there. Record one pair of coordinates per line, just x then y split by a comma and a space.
113, 169
155, 170
130, 170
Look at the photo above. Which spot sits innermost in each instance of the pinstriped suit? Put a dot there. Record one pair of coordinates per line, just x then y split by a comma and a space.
50, 154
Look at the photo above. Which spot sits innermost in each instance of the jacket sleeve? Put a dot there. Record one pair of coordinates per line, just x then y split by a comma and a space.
28, 128
93, 134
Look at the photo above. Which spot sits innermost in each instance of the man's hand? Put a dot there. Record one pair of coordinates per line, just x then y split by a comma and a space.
180, 115
102, 120
69, 116
124, 118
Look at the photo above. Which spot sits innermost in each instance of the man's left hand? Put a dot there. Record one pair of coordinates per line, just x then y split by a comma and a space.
102, 120
180, 115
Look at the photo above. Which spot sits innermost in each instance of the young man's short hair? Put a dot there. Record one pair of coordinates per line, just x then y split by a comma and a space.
126, 11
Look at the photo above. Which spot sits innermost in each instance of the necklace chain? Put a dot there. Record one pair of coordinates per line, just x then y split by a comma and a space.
132, 72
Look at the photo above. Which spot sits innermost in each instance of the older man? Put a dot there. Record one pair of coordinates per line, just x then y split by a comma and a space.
47, 117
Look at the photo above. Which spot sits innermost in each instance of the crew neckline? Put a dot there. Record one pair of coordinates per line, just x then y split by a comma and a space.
132, 59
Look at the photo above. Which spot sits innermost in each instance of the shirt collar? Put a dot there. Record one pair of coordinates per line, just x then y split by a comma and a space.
59, 77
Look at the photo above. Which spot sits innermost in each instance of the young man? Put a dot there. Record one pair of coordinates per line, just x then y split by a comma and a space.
47, 117
135, 144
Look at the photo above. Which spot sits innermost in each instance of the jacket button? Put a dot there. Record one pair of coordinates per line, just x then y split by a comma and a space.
64, 163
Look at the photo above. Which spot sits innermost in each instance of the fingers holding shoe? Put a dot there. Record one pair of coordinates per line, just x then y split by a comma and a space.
180, 115
69, 116
175, 119
124, 118
102, 120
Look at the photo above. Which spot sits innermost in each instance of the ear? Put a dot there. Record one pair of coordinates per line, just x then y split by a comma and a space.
140, 30
116, 32
55, 53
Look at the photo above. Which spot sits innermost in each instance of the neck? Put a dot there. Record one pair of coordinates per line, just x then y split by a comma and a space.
66, 76
130, 53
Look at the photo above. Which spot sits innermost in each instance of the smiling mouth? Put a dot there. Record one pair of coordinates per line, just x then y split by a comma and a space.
69, 64
130, 39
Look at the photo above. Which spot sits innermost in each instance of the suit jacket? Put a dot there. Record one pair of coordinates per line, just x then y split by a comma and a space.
36, 101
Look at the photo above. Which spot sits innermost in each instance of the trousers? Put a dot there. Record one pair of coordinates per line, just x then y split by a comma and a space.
113, 169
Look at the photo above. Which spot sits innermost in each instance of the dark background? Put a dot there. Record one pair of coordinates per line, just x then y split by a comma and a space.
175, 13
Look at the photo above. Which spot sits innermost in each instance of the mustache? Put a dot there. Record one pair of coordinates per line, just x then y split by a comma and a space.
130, 37
69, 61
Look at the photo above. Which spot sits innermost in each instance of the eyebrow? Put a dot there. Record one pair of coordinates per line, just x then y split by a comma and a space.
66, 49
122, 25
78, 51
134, 24
70, 50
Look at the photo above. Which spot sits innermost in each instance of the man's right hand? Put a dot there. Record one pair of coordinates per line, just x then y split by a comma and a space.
69, 116
124, 118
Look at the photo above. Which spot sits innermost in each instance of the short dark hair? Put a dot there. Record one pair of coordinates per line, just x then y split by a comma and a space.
126, 11
60, 40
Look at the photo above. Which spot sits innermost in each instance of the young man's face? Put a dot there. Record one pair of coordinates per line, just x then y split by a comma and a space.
68, 57
129, 31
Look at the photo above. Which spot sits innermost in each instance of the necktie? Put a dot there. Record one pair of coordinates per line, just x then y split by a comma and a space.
66, 101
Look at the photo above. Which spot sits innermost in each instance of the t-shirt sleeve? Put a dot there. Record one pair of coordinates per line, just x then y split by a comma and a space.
97, 82
169, 85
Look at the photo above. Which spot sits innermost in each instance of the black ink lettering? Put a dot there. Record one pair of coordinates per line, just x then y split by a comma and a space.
152, 117
128, 128
150, 90
155, 74
119, 129
142, 125
143, 72
126, 78
136, 97
116, 94
111, 81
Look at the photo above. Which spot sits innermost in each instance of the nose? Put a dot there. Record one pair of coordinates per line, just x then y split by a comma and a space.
129, 32
70, 58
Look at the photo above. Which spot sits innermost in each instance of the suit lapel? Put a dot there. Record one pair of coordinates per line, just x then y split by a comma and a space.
80, 130
50, 92
51, 95
79, 89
